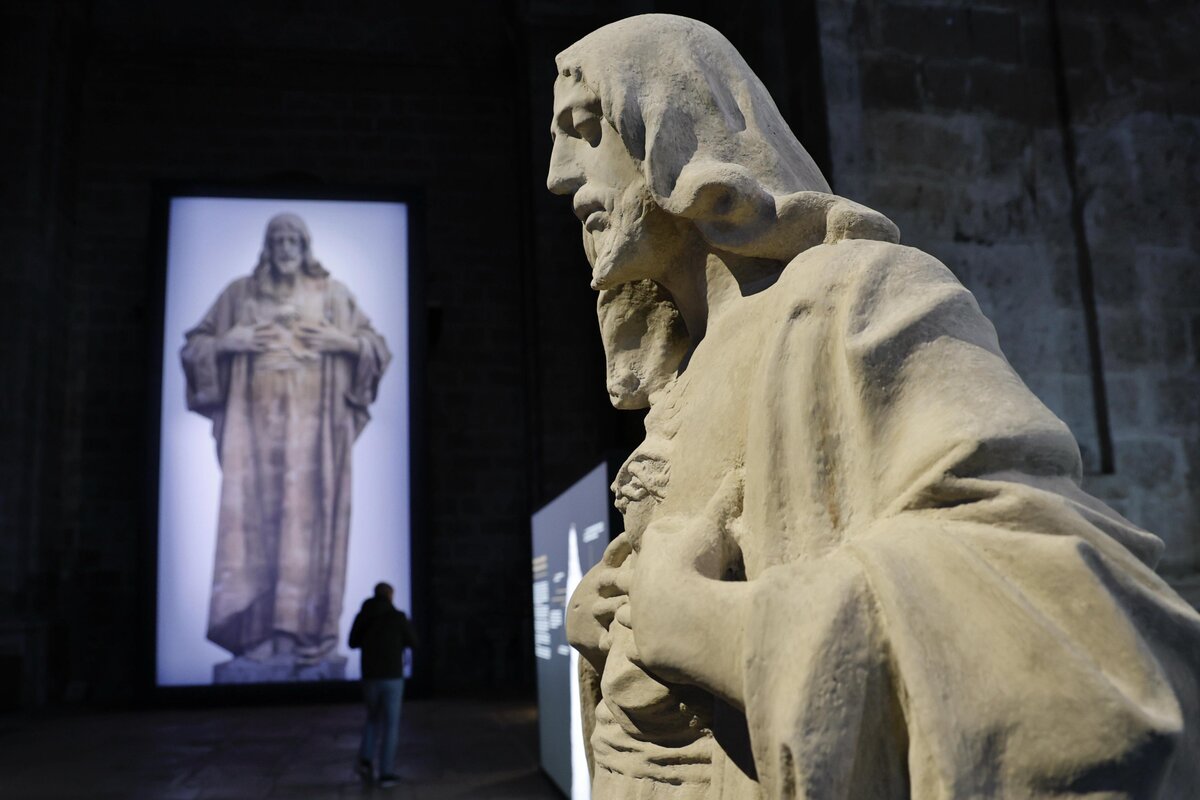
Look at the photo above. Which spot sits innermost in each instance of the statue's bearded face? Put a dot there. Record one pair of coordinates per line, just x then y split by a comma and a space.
286, 247
625, 232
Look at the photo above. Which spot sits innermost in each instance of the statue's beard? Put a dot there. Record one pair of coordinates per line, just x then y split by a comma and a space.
644, 341
589, 248
620, 251
286, 266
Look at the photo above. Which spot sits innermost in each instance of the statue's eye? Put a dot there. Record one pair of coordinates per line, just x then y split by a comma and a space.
587, 124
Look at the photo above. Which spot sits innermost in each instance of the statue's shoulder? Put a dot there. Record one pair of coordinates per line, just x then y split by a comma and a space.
854, 264
338, 290
243, 285
342, 297
237, 290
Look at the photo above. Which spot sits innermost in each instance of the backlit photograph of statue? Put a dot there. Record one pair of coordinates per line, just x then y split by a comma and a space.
285, 364
857, 561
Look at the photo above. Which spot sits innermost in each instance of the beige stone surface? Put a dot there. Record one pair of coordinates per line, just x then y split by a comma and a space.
285, 364
857, 562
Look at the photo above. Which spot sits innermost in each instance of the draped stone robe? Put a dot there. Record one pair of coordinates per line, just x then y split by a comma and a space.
284, 423
939, 611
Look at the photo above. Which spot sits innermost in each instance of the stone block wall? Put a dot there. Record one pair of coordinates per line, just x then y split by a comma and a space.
1045, 151
1131, 73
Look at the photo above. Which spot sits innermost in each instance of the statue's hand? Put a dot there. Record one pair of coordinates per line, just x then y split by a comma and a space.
601, 593
673, 551
686, 546
686, 620
325, 338
247, 338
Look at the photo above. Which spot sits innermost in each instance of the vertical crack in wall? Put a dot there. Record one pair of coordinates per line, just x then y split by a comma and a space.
1083, 253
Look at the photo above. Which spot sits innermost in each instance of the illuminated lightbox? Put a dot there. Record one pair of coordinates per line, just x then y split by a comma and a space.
284, 456
569, 536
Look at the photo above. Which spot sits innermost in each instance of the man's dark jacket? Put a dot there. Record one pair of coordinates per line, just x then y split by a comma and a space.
382, 631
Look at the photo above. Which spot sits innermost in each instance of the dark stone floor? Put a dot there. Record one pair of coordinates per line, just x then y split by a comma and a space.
447, 750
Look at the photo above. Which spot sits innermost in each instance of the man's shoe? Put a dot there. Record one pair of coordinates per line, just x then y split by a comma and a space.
364, 770
389, 780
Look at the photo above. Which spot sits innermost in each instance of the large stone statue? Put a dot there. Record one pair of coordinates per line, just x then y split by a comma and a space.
857, 561
285, 364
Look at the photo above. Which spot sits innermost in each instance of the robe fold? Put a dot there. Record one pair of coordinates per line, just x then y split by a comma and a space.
939, 611
284, 433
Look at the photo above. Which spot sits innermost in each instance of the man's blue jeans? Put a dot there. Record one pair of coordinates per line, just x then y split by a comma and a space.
382, 730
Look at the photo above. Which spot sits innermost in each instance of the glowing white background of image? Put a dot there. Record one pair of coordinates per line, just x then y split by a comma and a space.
211, 242
581, 785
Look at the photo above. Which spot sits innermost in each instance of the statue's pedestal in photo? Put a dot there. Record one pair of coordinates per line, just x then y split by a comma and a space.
279, 669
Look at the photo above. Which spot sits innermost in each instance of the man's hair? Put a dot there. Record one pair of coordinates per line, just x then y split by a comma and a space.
308, 263
383, 591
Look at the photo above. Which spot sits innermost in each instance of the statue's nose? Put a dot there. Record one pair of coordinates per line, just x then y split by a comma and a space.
565, 175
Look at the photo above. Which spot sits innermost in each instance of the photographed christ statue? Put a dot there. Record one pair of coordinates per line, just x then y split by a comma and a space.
285, 364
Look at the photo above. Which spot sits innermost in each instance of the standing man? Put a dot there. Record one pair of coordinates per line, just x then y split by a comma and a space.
383, 632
